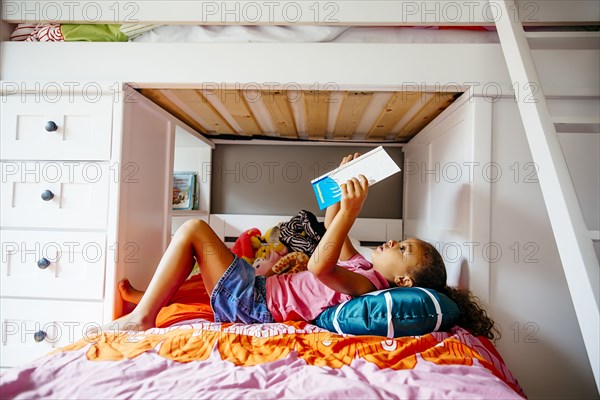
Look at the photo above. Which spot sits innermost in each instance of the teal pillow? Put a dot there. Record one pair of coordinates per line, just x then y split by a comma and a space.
392, 313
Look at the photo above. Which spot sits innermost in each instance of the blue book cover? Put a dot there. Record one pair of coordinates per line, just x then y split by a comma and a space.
376, 165
184, 188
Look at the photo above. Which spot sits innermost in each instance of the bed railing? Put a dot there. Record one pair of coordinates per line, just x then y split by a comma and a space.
285, 12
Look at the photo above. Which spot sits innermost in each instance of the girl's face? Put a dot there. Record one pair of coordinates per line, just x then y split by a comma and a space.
396, 260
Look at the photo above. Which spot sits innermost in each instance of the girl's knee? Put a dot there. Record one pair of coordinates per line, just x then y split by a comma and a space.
192, 227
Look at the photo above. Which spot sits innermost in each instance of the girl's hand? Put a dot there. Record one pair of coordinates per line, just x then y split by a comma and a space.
349, 157
354, 194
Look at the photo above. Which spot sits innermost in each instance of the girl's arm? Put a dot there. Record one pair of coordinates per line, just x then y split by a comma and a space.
323, 262
348, 251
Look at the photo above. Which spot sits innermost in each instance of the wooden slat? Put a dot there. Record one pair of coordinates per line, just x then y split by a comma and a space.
159, 98
353, 108
280, 111
316, 111
397, 106
237, 107
213, 120
438, 103
195, 108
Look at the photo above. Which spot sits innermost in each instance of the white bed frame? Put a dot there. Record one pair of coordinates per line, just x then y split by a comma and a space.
366, 230
481, 68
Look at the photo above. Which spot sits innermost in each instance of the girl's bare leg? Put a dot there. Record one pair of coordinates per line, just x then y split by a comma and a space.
194, 240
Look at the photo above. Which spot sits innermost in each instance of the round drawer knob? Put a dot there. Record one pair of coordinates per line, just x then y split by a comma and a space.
47, 195
39, 336
43, 263
51, 126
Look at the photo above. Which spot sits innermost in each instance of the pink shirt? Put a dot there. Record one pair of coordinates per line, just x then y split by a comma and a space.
302, 297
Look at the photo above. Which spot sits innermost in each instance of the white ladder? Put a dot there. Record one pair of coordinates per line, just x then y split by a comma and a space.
566, 218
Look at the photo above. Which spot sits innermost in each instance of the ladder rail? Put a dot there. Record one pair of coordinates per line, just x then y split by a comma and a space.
575, 247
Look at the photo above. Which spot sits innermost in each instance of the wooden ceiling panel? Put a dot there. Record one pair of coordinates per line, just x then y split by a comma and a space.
432, 108
277, 103
227, 112
400, 103
316, 111
235, 103
214, 121
160, 98
352, 110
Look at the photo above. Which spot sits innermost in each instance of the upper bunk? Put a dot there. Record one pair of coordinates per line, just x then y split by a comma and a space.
393, 67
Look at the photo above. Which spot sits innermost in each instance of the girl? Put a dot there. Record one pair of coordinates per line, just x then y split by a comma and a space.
336, 273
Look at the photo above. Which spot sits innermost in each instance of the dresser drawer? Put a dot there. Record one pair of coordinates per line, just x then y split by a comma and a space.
52, 264
32, 328
75, 194
69, 128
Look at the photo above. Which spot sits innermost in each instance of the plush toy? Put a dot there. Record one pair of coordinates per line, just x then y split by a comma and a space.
293, 262
270, 251
247, 244
267, 256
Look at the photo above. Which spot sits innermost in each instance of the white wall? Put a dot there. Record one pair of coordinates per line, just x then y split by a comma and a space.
529, 297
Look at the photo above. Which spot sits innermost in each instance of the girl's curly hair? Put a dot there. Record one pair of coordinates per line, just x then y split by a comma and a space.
431, 273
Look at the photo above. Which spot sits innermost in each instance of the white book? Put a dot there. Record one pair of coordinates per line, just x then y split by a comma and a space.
376, 165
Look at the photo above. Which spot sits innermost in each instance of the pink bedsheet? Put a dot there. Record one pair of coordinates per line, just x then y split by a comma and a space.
451, 365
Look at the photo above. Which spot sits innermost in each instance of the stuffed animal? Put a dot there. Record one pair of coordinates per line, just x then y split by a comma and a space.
293, 262
267, 256
247, 244
270, 251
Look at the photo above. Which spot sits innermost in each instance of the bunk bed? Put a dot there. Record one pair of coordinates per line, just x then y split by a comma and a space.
300, 92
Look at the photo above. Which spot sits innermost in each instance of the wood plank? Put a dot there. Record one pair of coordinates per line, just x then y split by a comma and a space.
353, 108
158, 97
316, 111
432, 108
195, 100
236, 105
281, 113
397, 106
566, 218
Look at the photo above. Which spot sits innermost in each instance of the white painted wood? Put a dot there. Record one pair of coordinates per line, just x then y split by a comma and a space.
63, 321
80, 191
139, 227
364, 229
572, 237
447, 191
83, 127
582, 155
113, 306
145, 188
76, 269
529, 295
480, 66
563, 40
248, 12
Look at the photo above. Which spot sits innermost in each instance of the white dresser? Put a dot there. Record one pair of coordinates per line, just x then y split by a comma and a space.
85, 200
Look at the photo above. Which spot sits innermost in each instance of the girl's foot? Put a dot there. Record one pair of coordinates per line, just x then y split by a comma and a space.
128, 292
129, 322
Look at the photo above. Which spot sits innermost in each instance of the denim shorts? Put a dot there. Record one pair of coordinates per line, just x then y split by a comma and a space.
240, 295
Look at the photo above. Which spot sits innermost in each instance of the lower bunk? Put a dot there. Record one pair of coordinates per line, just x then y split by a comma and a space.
189, 356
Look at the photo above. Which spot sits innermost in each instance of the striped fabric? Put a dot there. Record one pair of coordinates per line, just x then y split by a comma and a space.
38, 33
134, 30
